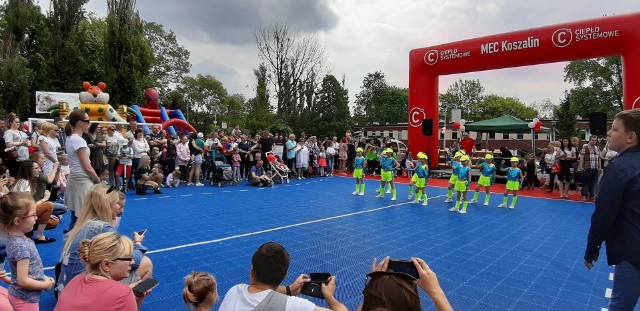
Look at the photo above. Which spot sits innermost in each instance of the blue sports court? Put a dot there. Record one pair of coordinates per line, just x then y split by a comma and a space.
529, 258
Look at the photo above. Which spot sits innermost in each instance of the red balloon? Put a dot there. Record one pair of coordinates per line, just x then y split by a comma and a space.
271, 158
537, 129
539, 124
456, 125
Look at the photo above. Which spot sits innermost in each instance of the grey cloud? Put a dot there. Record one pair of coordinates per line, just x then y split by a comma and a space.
235, 21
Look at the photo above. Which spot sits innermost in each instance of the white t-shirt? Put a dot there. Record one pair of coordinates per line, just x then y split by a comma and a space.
73, 144
238, 298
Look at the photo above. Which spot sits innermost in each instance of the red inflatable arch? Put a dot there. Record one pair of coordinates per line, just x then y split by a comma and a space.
606, 36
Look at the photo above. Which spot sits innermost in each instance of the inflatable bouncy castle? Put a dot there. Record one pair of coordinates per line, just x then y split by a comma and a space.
172, 121
96, 103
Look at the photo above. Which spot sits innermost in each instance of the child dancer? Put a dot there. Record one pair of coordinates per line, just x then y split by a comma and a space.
359, 163
17, 217
455, 165
235, 164
462, 185
514, 177
486, 179
200, 291
387, 165
421, 177
323, 162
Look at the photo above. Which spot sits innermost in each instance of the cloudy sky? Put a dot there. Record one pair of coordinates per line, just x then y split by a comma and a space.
365, 36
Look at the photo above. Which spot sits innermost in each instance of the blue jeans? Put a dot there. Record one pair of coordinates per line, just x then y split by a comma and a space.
590, 185
626, 287
59, 209
329, 169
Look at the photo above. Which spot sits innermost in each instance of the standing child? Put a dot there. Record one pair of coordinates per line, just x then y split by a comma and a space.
315, 164
514, 177
359, 163
531, 172
486, 179
455, 165
235, 163
387, 166
462, 185
409, 165
17, 217
125, 160
412, 177
420, 179
323, 161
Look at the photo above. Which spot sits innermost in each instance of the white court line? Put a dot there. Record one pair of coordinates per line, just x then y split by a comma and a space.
164, 197
281, 228
604, 309
607, 293
225, 191
138, 199
207, 193
244, 190
186, 195
610, 276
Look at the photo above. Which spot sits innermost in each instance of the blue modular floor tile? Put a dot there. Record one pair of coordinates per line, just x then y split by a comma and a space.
529, 258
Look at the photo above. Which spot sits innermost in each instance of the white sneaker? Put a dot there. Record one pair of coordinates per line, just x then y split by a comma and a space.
361, 193
453, 209
462, 211
448, 200
354, 193
410, 197
388, 191
190, 184
379, 196
502, 205
393, 199
425, 203
472, 201
486, 204
512, 206
199, 184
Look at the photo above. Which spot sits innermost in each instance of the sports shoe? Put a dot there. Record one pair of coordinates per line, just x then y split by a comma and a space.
502, 205
414, 202
361, 193
462, 211
157, 191
472, 201
512, 206
199, 184
448, 200
388, 191
486, 204
190, 184
354, 193
425, 203
379, 196
453, 209
393, 199
410, 197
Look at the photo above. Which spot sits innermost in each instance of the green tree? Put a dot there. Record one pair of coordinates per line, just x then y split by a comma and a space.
259, 112
365, 110
205, 97
598, 84
493, 106
128, 55
330, 115
463, 95
566, 126
545, 108
171, 59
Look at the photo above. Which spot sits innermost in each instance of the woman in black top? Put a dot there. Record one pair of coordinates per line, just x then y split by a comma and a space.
146, 176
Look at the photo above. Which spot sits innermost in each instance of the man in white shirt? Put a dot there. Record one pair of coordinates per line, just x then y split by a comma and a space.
269, 266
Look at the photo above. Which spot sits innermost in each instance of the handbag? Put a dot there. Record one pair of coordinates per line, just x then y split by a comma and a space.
11, 154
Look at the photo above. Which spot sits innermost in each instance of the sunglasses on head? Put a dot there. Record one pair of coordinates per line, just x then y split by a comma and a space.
111, 189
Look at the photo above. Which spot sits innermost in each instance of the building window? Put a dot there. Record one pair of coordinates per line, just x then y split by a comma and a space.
492, 135
520, 136
454, 135
505, 135
441, 135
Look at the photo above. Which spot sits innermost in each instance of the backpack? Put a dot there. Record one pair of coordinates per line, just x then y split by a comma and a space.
556, 168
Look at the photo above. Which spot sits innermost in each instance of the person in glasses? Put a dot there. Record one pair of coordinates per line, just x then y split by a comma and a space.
269, 266
394, 291
101, 215
17, 217
109, 260
81, 176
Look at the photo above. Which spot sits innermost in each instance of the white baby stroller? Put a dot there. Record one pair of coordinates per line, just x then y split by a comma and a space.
279, 169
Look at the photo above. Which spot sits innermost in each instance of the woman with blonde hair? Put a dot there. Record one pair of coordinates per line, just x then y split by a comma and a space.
100, 214
146, 176
108, 259
200, 291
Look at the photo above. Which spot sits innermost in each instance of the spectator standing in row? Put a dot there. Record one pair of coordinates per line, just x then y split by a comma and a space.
589, 161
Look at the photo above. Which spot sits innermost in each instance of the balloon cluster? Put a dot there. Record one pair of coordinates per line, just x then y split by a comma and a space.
459, 125
536, 125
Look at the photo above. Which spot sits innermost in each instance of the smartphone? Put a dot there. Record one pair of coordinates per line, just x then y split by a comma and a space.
144, 286
313, 288
142, 232
403, 266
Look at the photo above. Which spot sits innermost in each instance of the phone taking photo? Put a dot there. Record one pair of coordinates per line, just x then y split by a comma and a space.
145, 286
142, 232
403, 266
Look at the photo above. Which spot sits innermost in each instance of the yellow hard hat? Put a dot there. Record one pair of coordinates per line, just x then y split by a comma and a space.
514, 159
488, 156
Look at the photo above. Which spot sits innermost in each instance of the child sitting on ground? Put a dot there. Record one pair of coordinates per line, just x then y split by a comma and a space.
104, 177
173, 180
200, 291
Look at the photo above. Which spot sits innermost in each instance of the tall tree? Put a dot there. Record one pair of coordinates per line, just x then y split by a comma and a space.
493, 106
171, 59
205, 97
65, 45
128, 56
598, 84
372, 86
259, 112
330, 115
545, 108
463, 95
566, 118
293, 60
